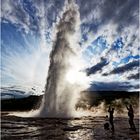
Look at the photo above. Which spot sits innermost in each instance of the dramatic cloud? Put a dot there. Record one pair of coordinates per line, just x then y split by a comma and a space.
99, 13
134, 76
113, 19
116, 86
97, 67
124, 68
108, 38
32, 16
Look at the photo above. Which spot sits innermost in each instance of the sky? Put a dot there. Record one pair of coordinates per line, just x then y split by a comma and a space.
109, 42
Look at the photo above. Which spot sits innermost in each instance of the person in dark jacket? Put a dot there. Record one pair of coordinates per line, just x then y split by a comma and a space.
111, 112
131, 117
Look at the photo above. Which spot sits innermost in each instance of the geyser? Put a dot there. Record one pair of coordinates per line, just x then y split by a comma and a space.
65, 80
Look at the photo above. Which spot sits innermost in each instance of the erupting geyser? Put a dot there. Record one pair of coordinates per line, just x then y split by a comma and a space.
64, 81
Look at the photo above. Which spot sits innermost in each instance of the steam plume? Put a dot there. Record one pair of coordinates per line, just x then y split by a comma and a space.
61, 92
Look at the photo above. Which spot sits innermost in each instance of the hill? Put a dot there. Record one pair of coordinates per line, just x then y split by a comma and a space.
91, 98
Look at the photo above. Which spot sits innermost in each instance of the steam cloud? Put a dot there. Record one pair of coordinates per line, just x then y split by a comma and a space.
60, 95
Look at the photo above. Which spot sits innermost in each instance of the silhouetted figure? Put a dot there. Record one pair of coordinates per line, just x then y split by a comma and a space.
106, 124
131, 117
111, 111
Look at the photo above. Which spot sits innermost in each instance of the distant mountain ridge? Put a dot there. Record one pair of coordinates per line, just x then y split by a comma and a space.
18, 92
91, 97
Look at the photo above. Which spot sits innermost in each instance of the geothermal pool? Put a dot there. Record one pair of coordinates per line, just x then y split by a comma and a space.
84, 128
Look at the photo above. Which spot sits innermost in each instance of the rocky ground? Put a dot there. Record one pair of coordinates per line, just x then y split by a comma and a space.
84, 128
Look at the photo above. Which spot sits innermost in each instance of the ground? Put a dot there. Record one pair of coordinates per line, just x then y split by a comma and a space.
84, 128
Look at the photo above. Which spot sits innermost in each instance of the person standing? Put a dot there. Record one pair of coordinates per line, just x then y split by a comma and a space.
111, 112
131, 117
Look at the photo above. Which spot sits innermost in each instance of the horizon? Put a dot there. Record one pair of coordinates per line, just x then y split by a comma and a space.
108, 45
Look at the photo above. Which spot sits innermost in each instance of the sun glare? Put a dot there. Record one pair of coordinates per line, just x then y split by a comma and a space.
76, 77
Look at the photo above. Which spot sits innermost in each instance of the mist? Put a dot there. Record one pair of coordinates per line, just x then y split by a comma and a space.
62, 88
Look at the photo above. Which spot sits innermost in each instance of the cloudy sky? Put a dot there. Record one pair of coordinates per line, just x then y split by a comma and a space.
108, 40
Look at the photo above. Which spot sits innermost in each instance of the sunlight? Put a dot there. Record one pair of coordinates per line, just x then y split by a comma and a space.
74, 76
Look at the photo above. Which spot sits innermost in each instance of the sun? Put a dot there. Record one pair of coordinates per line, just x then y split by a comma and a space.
77, 77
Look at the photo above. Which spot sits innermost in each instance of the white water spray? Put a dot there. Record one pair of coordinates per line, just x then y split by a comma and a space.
65, 80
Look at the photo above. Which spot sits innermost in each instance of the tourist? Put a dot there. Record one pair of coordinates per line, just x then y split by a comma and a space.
131, 117
111, 111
